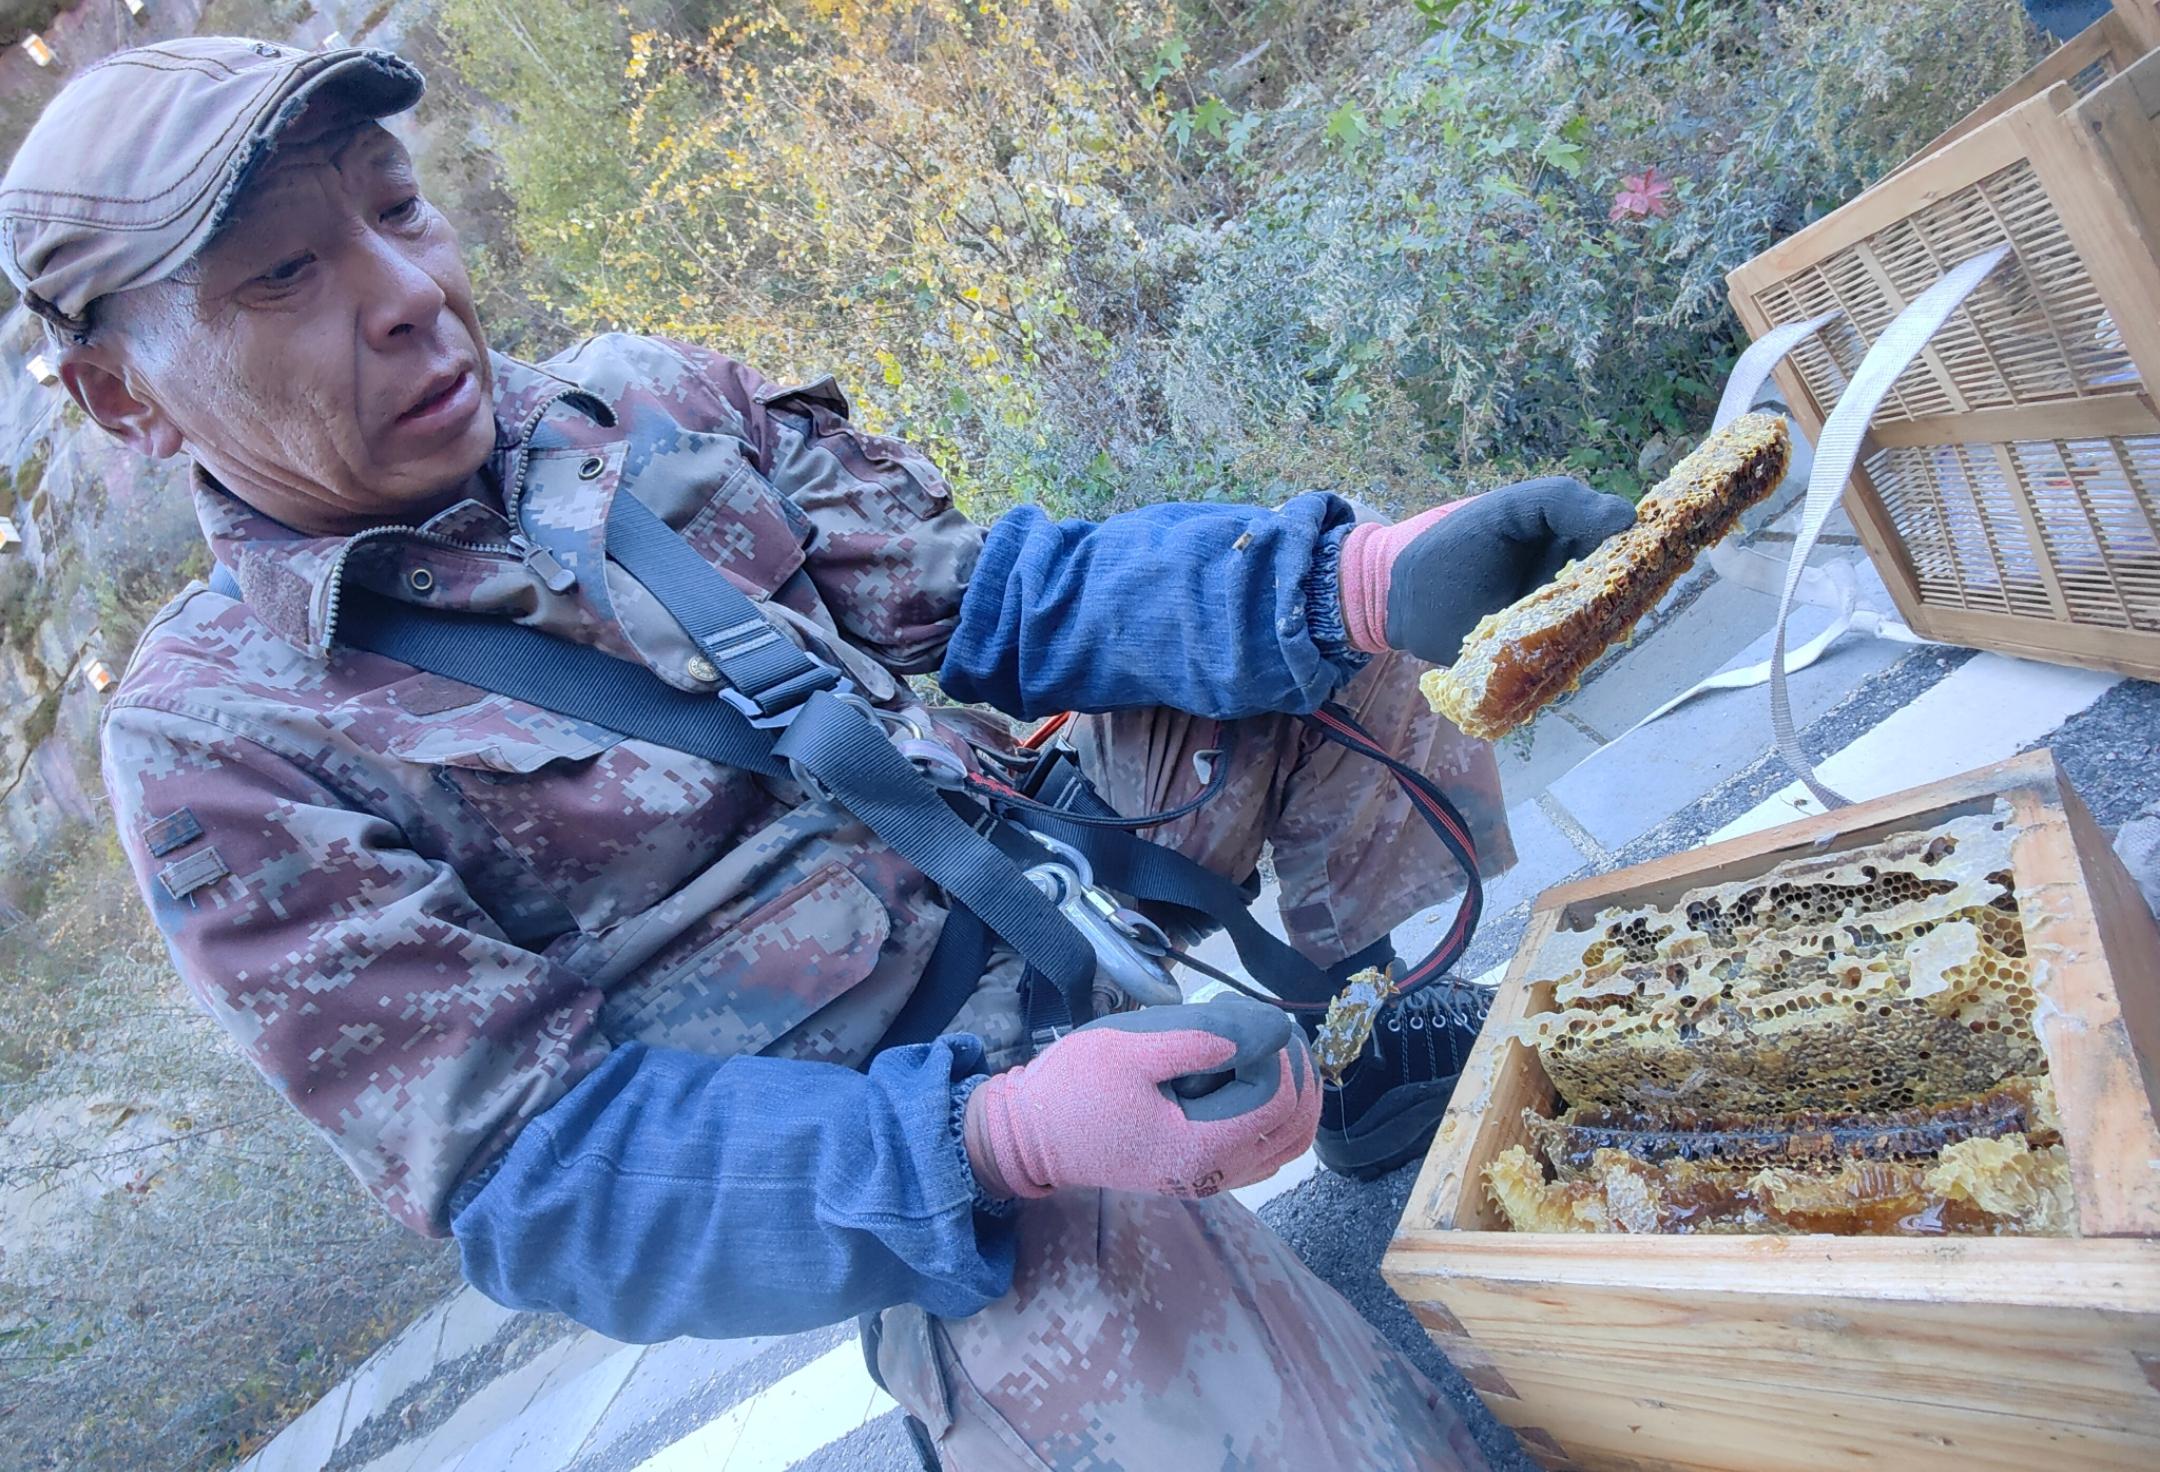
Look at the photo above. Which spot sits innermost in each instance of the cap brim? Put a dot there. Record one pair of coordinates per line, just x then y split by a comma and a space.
365, 84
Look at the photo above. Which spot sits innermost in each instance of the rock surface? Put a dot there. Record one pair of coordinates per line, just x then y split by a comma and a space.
106, 535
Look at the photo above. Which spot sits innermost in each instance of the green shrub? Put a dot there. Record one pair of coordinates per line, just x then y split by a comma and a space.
1100, 253
1451, 267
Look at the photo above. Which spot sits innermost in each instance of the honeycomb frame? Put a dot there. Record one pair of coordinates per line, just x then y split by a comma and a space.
1799, 1050
1520, 659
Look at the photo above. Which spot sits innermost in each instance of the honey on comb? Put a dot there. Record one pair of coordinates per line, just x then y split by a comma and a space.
1519, 659
1843, 1044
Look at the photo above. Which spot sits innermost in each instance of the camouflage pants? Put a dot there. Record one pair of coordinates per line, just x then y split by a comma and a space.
1144, 1332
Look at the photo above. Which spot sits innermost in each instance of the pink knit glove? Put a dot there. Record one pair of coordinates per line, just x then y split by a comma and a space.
1173, 1101
1368, 567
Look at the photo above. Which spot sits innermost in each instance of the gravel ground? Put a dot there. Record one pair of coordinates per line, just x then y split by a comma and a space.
2111, 751
876, 1446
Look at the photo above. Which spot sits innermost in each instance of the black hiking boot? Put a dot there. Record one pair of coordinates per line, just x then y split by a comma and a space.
1392, 1097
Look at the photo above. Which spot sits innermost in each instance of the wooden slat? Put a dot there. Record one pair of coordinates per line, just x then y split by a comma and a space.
1660, 881
2101, 973
2036, 545
2119, 142
2125, 651
1930, 356
1791, 1354
2095, 207
1607, 1423
1871, 519
2103, 416
1885, 548
1987, 150
1851, 1345
1500, 1079
2118, 1274
2142, 20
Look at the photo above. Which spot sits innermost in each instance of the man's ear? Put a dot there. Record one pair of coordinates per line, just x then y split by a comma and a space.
103, 391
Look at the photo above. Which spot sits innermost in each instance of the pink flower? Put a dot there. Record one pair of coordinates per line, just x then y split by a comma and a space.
1643, 195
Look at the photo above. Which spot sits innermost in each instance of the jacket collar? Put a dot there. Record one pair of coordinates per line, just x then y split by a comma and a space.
288, 577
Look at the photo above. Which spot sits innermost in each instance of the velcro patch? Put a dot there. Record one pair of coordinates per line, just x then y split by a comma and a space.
165, 834
427, 695
183, 877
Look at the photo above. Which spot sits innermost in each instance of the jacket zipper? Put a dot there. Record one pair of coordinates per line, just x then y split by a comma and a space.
552, 573
515, 548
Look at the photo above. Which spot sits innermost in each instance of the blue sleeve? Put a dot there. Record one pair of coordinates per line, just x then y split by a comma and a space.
674, 1194
1224, 611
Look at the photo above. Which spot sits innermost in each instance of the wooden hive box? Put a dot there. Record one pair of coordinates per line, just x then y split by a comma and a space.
1770, 1353
2009, 493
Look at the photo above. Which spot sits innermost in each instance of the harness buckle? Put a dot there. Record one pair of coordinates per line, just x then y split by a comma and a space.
775, 710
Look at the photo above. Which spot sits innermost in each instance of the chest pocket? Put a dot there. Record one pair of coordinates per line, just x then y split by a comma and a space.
759, 976
531, 778
701, 485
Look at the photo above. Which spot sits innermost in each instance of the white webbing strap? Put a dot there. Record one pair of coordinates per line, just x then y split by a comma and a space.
1753, 370
1833, 586
1838, 450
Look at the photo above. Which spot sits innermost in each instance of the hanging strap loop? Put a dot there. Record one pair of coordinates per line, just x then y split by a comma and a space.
1836, 454
1837, 451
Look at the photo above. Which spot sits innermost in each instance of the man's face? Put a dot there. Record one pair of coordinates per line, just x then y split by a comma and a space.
326, 364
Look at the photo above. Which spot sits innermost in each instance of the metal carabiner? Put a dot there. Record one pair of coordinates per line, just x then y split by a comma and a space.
1129, 948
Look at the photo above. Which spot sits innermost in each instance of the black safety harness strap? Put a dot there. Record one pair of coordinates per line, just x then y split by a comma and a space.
761, 674
781, 712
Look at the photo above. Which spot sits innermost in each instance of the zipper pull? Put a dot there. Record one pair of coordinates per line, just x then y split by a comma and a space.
559, 579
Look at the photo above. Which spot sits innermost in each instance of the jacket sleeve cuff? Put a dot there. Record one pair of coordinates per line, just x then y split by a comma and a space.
996, 1207
1322, 590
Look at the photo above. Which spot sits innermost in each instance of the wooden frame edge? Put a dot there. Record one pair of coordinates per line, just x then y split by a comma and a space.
2113, 1274
1810, 833
1995, 145
2109, 36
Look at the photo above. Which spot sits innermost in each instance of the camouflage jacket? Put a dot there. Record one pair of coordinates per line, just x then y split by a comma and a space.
427, 911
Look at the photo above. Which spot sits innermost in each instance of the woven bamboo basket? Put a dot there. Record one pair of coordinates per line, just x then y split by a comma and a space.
2010, 493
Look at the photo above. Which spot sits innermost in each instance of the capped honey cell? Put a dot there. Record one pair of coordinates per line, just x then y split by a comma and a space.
1755, 1053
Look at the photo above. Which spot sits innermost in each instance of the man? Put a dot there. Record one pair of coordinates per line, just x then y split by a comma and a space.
610, 1011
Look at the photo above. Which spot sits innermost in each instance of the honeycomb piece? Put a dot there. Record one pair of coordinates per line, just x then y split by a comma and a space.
1518, 659
1997, 1187
1619, 1193
1342, 1035
1882, 979
2010, 1182
1859, 1198
1978, 1187
1806, 1138
1520, 1190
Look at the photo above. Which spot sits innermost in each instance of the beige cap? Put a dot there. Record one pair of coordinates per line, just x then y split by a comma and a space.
128, 172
